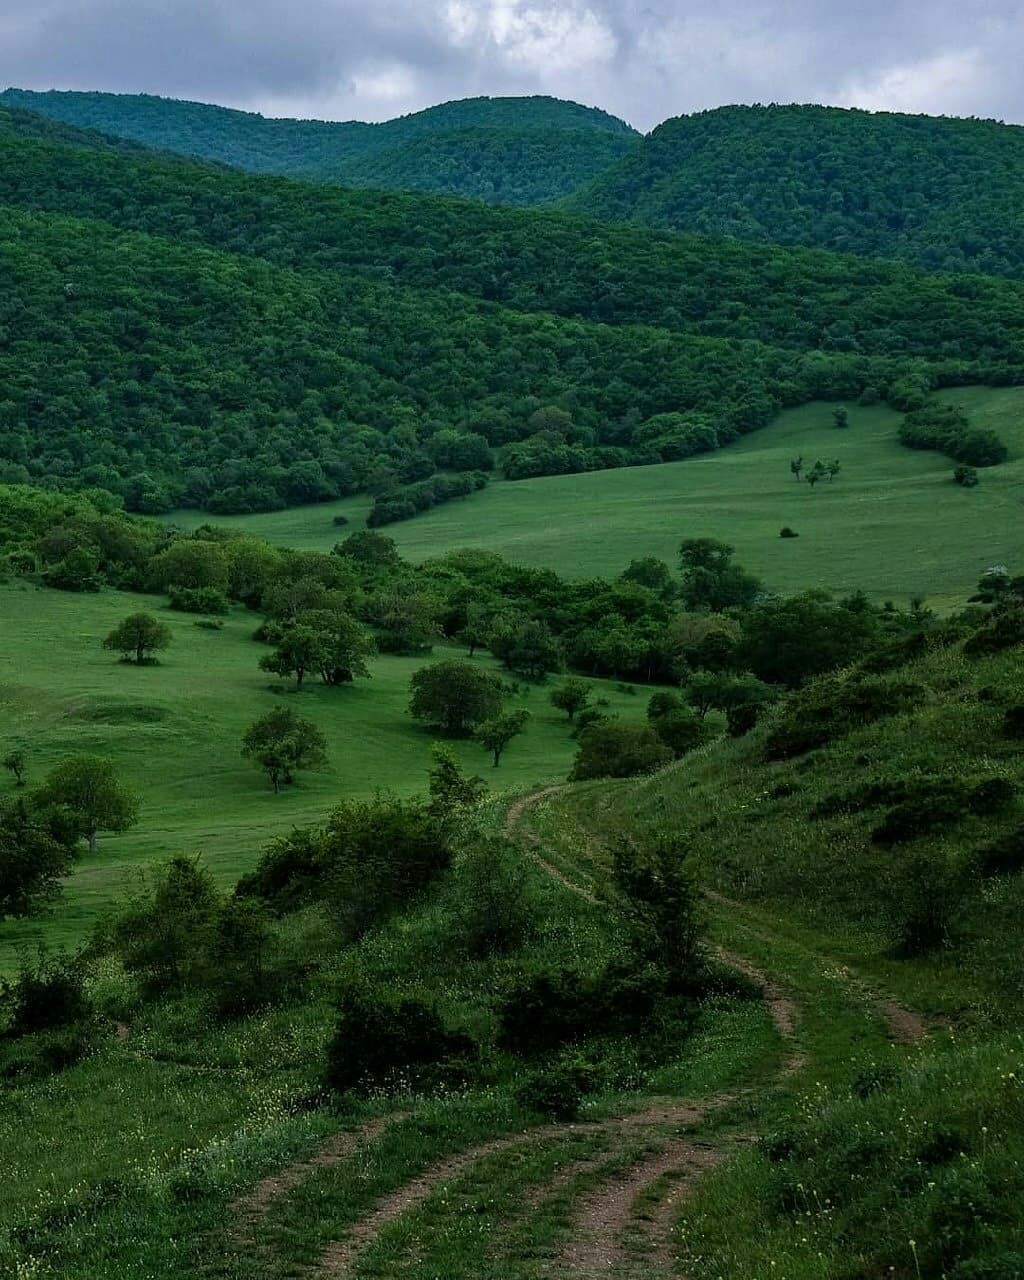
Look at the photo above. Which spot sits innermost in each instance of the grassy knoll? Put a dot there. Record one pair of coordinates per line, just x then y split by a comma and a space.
175, 731
892, 524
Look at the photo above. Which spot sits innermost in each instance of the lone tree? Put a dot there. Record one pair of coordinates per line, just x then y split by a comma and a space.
92, 796
300, 650
138, 638
345, 644
495, 734
35, 851
796, 466
455, 696
571, 696
840, 417
282, 743
16, 763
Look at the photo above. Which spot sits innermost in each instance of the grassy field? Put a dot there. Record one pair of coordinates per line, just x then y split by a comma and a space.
892, 524
175, 732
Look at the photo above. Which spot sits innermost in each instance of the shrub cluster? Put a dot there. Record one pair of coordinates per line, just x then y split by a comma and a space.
832, 706
405, 502
946, 428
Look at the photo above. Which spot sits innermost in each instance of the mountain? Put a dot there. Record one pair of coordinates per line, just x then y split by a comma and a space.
530, 260
501, 150
941, 193
185, 334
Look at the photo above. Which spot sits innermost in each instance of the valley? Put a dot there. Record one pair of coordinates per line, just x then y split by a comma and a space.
511, 693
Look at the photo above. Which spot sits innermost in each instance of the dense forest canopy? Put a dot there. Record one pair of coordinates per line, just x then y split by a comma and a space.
530, 260
181, 333
500, 150
941, 193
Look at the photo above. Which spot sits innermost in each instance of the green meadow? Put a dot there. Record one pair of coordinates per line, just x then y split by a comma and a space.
174, 731
893, 523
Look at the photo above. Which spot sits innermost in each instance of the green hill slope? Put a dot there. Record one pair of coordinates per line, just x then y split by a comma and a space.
502, 150
892, 524
943, 194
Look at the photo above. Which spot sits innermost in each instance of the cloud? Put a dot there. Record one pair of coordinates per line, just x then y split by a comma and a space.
643, 59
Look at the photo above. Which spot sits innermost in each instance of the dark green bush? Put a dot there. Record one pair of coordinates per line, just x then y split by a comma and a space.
787, 532
832, 706
613, 750
384, 1042
1003, 856
493, 911
198, 600
1013, 721
559, 1091
45, 996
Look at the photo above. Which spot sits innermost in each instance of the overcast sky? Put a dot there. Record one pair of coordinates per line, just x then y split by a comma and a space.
372, 59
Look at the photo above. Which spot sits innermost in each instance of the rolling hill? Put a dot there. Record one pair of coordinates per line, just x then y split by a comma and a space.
940, 193
501, 150
893, 524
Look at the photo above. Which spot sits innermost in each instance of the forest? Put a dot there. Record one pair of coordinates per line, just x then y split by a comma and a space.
398, 331
939, 193
519, 151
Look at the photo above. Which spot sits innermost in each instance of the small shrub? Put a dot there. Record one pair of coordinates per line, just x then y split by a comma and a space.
198, 600
559, 1091
1013, 721
613, 750
965, 476
874, 1080
340, 522
44, 997
1003, 856
832, 706
209, 624
494, 913
385, 1042
787, 532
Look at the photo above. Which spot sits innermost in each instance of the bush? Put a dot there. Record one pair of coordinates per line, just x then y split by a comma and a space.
383, 1042
493, 912
339, 522
47, 996
681, 731
787, 532
931, 806
370, 857
612, 750
198, 600
925, 894
832, 706
559, 1091
1013, 721
1004, 856
965, 476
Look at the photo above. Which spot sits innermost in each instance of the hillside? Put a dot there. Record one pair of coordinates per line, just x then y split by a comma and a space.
533, 260
438, 1036
893, 524
940, 193
500, 150
171, 373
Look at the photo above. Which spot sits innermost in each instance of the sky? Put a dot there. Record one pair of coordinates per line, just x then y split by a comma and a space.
374, 59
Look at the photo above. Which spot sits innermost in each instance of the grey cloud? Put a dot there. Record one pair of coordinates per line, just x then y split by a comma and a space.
643, 59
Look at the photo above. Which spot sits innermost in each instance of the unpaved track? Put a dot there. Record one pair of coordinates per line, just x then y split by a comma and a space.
338, 1258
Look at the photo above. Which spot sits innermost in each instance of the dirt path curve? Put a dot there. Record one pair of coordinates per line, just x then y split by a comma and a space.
513, 823
905, 1026
250, 1209
338, 1258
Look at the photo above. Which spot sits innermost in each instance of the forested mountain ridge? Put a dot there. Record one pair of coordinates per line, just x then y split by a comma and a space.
500, 150
170, 373
531, 260
235, 342
939, 192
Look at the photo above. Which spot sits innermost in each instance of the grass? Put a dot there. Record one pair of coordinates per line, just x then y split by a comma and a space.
174, 731
892, 524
